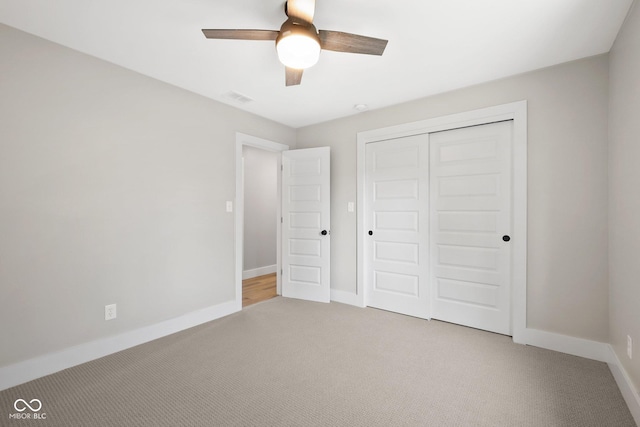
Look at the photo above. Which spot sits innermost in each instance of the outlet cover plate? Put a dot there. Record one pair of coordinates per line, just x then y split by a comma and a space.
110, 312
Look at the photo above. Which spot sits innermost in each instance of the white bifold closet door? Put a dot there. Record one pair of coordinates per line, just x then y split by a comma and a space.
397, 195
470, 217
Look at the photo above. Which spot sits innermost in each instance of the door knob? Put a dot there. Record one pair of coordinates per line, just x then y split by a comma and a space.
506, 238
323, 232
370, 232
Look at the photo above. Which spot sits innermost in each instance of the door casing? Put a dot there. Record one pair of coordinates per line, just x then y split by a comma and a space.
516, 111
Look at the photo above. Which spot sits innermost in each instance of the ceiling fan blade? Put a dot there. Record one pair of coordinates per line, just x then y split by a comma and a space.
302, 10
241, 34
352, 43
293, 76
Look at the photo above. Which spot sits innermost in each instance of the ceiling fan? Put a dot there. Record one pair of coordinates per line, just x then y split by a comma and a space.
298, 42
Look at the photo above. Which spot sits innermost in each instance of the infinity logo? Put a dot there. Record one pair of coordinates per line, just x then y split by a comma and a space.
26, 405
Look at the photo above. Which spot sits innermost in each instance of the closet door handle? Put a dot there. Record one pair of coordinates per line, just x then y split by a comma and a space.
323, 232
506, 238
370, 232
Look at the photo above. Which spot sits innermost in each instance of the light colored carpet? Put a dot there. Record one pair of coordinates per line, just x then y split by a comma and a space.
293, 363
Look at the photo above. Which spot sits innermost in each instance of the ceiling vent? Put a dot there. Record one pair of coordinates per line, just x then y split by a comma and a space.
237, 97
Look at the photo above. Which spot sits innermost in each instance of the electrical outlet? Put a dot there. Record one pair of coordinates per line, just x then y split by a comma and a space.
110, 312
629, 347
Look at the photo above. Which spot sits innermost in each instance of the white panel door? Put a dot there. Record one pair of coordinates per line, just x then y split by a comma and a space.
306, 224
470, 181
396, 201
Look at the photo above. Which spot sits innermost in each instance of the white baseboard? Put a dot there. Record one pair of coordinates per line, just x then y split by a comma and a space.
590, 350
625, 385
344, 297
40, 366
566, 344
260, 271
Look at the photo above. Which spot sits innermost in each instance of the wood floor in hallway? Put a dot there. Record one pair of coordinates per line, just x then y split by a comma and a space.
258, 289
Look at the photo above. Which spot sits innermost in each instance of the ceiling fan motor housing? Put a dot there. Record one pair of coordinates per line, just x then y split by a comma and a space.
298, 44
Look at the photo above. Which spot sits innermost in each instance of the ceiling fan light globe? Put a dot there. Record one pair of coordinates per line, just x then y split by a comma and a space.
298, 51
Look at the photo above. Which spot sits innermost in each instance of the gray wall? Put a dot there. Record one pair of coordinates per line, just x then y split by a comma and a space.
112, 190
624, 196
260, 207
567, 161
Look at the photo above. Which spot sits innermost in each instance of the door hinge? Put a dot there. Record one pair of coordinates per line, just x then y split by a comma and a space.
281, 220
281, 167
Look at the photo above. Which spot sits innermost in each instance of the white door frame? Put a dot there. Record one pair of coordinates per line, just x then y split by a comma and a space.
516, 111
263, 144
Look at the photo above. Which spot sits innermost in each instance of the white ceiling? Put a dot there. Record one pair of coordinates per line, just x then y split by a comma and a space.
434, 45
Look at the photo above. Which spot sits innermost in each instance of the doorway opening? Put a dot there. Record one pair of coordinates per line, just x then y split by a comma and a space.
260, 181
258, 228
